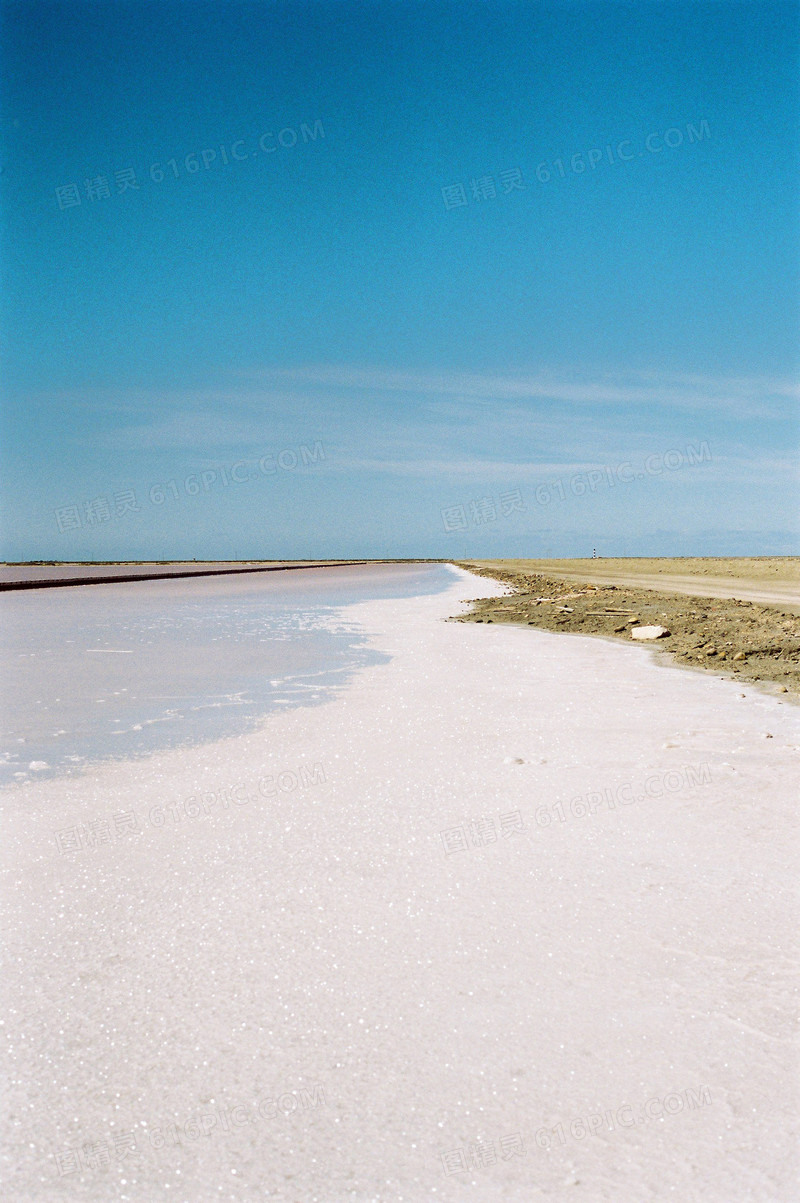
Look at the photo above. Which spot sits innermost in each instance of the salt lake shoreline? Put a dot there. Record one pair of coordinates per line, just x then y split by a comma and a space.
414, 930
57, 576
755, 642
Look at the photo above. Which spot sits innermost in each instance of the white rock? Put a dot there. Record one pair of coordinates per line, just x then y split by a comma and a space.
648, 632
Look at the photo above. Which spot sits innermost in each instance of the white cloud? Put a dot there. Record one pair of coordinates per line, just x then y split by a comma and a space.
754, 396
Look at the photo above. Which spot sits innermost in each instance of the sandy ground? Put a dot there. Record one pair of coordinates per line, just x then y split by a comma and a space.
770, 580
740, 618
544, 896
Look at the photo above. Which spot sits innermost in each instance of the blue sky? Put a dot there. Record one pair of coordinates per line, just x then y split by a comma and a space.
463, 254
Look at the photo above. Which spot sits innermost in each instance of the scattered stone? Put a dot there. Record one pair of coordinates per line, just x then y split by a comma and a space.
772, 653
649, 632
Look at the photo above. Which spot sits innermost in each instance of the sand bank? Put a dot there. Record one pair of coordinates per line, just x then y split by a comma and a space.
768, 580
511, 919
743, 622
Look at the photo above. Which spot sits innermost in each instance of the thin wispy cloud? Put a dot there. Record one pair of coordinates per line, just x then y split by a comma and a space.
745, 396
341, 401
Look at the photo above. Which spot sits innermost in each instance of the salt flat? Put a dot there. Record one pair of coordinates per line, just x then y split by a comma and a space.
15, 576
510, 890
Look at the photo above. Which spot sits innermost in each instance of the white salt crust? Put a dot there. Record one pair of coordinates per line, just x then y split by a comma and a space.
428, 996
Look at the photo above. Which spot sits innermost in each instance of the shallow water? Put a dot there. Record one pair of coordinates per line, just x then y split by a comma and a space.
123, 670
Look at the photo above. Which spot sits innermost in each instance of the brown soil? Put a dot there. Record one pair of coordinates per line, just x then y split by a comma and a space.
730, 636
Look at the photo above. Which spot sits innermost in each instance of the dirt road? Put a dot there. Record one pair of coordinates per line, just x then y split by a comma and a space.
770, 581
